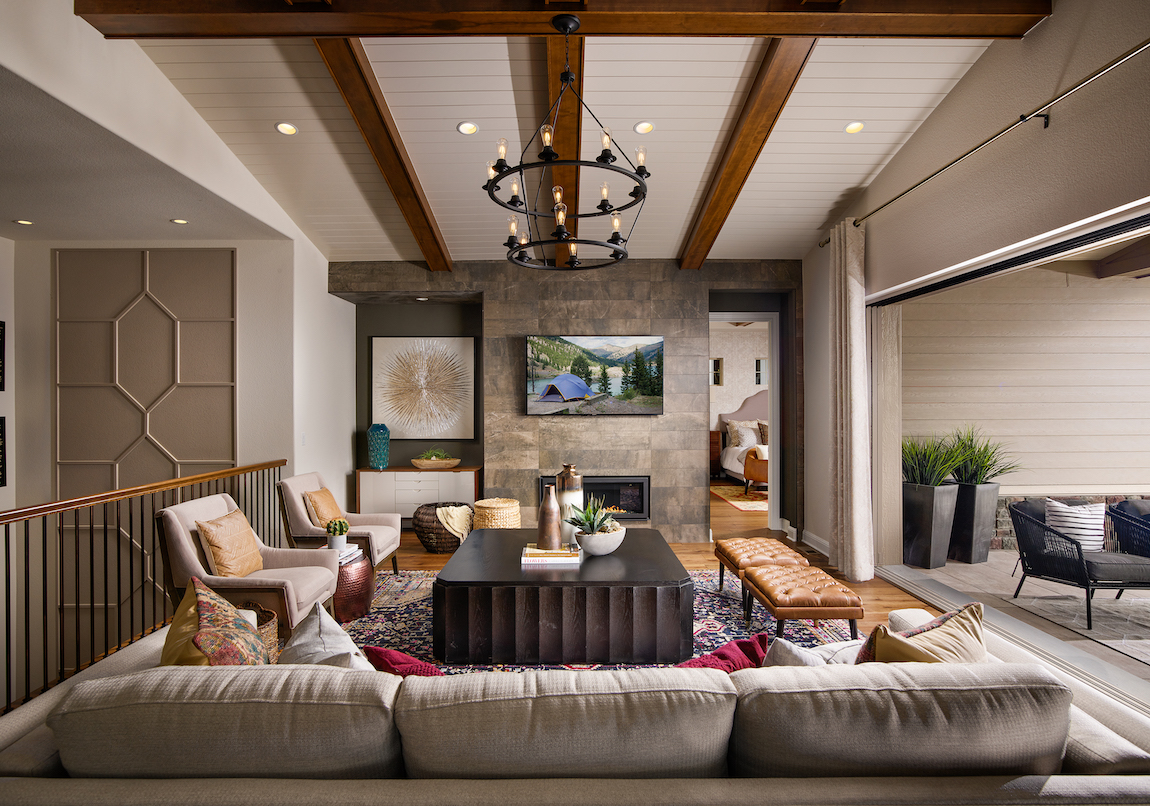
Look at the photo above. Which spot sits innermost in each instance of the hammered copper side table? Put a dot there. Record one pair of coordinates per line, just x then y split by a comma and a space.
354, 590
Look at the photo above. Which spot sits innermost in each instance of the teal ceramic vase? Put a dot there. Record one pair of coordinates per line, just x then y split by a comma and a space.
378, 446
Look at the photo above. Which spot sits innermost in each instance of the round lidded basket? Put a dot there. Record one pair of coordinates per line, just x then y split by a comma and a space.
496, 513
435, 464
431, 533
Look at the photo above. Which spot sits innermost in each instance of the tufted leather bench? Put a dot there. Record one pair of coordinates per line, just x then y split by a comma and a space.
740, 553
790, 592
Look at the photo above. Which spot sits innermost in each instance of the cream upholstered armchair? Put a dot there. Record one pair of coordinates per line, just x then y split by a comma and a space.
377, 534
290, 583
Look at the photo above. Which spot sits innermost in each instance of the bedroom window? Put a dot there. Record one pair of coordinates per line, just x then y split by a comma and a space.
760, 370
716, 372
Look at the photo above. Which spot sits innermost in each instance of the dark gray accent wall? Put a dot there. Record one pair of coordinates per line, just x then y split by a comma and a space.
639, 297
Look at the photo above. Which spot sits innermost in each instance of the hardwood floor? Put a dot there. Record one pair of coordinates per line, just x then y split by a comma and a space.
879, 597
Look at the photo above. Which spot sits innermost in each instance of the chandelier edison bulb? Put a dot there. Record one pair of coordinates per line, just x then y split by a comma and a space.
580, 239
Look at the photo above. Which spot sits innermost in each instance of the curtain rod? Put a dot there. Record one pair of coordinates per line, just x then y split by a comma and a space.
1039, 112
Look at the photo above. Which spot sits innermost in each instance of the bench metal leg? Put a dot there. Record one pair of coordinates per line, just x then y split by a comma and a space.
854, 629
722, 568
780, 626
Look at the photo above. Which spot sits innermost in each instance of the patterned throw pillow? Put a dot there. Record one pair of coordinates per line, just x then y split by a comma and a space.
321, 506
230, 546
966, 615
208, 630
763, 433
1086, 524
742, 433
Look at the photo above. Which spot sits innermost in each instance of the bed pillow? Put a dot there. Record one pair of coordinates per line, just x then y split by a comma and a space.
742, 433
764, 435
230, 546
321, 506
1086, 523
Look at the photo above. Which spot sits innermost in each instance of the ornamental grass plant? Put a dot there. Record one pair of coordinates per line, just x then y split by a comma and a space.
929, 461
982, 460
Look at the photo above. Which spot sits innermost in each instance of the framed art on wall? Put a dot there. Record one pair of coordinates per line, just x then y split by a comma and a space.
424, 388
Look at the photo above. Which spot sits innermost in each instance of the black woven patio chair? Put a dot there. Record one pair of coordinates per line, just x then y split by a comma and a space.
1049, 554
1131, 522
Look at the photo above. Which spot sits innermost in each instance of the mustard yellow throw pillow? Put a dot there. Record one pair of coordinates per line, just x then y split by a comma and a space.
230, 546
322, 506
953, 637
208, 630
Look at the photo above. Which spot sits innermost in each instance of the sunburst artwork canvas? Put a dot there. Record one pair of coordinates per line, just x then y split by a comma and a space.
424, 388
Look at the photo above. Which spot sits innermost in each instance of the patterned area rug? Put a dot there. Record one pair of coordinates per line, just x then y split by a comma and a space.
400, 618
747, 502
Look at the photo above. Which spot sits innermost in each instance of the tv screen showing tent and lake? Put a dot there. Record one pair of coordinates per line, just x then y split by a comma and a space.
595, 375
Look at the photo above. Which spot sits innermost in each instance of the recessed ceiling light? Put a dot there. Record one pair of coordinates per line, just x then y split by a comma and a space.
854, 127
25, 222
179, 220
286, 128
644, 127
467, 127
421, 299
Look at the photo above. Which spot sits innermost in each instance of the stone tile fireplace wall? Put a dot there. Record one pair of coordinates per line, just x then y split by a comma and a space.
636, 298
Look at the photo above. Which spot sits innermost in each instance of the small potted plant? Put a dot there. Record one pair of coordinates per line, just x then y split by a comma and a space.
976, 507
337, 529
434, 459
927, 503
595, 529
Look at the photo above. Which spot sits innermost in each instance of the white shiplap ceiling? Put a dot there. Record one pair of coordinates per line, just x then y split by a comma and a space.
691, 88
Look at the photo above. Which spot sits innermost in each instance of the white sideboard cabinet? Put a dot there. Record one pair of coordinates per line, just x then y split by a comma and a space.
403, 489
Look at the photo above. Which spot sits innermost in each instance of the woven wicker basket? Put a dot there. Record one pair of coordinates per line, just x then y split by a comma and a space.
431, 533
496, 513
268, 629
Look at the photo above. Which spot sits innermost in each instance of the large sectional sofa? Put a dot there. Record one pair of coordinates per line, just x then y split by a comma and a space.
1011, 731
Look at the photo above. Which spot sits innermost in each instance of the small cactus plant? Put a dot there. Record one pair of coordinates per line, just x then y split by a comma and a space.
593, 518
337, 527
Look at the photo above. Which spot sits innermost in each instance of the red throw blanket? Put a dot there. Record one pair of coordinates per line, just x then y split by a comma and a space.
742, 653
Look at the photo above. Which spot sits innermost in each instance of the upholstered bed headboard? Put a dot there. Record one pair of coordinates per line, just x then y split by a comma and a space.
755, 407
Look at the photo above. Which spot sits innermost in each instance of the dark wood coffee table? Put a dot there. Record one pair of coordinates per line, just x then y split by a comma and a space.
635, 605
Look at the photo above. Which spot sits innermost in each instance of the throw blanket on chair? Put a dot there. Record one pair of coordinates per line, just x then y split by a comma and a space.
456, 520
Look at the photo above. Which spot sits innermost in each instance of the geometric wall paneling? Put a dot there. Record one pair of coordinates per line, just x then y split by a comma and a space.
145, 363
85, 352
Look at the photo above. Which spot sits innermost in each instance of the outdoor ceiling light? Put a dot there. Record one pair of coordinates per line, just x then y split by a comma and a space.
644, 127
23, 221
179, 220
528, 245
286, 128
467, 127
854, 127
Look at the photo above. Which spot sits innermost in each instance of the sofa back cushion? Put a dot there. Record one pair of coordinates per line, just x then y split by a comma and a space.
899, 719
231, 721
634, 723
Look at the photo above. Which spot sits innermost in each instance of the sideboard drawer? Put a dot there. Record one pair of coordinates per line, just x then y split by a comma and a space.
403, 491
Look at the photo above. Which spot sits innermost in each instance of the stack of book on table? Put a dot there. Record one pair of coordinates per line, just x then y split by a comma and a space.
566, 555
350, 553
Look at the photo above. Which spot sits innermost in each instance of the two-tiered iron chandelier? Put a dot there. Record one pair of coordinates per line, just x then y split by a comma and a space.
527, 244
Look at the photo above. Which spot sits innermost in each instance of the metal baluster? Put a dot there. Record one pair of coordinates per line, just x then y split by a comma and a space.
119, 575
104, 562
44, 598
27, 611
7, 622
91, 584
131, 570
76, 576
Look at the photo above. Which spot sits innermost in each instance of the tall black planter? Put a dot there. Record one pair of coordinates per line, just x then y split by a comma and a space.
927, 517
975, 513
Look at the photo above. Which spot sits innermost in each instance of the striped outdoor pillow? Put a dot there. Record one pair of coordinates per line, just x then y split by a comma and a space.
1086, 523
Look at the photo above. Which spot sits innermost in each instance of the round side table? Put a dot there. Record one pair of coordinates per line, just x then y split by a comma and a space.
354, 590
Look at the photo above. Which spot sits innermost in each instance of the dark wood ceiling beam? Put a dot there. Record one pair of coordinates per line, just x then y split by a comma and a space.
1132, 260
781, 67
349, 66
568, 127
977, 19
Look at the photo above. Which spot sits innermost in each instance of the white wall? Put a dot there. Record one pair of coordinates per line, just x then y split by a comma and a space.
301, 339
1093, 158
8, 397
817, 391
1055, 365
738, 347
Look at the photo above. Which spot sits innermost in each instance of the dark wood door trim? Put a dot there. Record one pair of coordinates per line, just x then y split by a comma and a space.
350, 68
781, 67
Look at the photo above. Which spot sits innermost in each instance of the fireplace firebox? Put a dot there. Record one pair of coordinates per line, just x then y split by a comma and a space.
630, 496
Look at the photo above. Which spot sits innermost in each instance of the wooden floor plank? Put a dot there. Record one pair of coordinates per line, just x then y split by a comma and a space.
879, 597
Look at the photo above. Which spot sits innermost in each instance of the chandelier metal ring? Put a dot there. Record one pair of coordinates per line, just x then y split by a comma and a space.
518, 255
641, 190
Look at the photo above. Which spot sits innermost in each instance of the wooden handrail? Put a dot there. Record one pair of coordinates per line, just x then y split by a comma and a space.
55, 507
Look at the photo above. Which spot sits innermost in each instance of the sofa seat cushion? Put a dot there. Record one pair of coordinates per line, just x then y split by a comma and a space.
633, 723
1110, 566
307, 582
231, 721
899, 719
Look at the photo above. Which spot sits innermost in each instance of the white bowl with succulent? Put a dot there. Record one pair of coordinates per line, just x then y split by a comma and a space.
596, 530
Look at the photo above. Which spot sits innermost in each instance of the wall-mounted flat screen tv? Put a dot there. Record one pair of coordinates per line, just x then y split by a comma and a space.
595, 375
